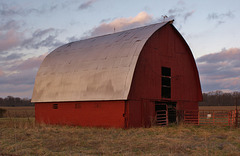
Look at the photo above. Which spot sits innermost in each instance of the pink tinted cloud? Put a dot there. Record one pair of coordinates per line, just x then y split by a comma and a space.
229, 82
21, 90
33, 62
9, 39
220, 71
1, 73
19, 79
120, 24
224, 56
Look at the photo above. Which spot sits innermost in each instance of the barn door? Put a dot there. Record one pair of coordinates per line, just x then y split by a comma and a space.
161, 110
172, 112
165, 113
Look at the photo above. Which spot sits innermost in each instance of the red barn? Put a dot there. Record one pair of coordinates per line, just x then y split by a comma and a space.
133, 78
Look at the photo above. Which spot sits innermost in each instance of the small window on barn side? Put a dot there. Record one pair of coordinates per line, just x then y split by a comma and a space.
55, 106
166, 82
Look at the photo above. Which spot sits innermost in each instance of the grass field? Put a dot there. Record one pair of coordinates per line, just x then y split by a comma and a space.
19, 112
20, 135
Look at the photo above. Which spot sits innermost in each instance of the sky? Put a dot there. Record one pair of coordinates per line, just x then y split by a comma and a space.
29, 30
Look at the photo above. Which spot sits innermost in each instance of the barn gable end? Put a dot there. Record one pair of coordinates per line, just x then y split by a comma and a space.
176, 56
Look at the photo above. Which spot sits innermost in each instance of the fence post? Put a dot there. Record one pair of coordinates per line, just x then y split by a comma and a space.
184, 116
198, 116
213, 118
233, 117
229, 114
236, 119
167, 117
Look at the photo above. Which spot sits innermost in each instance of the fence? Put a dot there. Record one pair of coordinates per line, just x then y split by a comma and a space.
211, 117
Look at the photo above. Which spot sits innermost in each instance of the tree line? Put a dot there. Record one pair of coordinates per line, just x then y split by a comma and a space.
215, 98
11, 101
219, 98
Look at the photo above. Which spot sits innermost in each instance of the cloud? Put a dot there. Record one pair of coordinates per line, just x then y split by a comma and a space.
180, 13
220, 71
53, 7
31, 63
16, 10
187, 15
223, 56
220, 17
86, 4
12, 56
21, 90
175, 11
73, 38
181, 2
10, 36
7, 10
120, 24
11, 24
18, 80
1, 73
43, 38
17, 73
22, 71
9, 39
217, 16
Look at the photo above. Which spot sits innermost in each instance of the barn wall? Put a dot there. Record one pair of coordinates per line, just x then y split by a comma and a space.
134, 114
187, 105
141, 113
102, 113
166, 48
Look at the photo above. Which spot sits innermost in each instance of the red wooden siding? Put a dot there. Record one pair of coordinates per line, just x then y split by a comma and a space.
101, 113
165, 48
141, 113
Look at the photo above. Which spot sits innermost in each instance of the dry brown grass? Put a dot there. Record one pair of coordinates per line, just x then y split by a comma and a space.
21, 136
21, 112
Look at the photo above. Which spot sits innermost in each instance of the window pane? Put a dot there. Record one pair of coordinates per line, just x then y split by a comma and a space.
166, 81
55, 106
166, 92
166, 71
